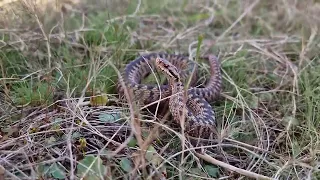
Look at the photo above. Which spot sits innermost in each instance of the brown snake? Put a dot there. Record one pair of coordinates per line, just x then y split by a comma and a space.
200, 117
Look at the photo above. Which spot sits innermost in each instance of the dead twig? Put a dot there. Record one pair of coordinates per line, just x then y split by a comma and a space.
214, 161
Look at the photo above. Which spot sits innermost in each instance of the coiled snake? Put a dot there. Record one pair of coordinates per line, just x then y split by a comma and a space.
200, 117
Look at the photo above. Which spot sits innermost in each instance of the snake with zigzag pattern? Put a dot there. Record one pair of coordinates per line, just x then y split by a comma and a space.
200, 117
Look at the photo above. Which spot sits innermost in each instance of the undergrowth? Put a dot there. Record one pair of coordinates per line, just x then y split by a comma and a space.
61, 116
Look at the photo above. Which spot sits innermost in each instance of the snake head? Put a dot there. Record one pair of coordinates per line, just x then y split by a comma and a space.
168, 68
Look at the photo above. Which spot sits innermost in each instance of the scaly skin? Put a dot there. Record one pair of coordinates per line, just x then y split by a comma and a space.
200, 116
136, 70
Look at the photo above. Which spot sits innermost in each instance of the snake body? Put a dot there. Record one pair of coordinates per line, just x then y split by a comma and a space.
200, 117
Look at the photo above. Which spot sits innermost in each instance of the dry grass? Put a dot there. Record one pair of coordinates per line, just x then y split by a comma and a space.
64, 52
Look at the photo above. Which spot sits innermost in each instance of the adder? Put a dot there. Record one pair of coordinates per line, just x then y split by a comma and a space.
199, 115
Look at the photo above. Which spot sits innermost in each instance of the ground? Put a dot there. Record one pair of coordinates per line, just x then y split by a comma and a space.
55, 53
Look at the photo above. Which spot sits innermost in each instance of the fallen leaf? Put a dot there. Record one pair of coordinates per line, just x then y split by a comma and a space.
109, 117
99, 100
126, 164
290, 121
152, 155
212, 171
57, 172
132, 142
51, 140
76, 135
92, 167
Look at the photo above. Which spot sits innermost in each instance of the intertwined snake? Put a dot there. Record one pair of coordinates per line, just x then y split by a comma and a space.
200, 117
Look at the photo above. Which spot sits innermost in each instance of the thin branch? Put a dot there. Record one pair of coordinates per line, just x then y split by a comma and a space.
214, 161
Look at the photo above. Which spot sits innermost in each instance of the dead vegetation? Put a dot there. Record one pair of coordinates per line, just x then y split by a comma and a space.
55, 57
